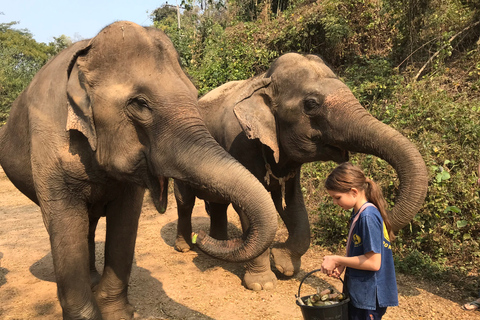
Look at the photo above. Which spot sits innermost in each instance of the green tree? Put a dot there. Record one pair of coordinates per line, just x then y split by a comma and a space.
59, 43
20, 59
183, 38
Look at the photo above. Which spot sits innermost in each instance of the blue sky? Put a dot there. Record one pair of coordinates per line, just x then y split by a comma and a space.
46, 19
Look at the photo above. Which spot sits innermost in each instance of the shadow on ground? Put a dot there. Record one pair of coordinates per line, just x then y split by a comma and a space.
3, 272
160, 306
204, 262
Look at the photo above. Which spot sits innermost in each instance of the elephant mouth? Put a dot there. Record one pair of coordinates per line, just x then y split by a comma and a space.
158, 187
315, 149
334, 153
328, 152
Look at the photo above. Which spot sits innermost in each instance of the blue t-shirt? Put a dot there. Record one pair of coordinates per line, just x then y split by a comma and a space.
366, 287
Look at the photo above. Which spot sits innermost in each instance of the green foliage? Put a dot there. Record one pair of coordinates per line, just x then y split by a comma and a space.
58, 44
183, 38
244, 10
421, 265
229, 56
249, 11
358, 27
163, 13
372, 79
297, 31
424, 27
20, 58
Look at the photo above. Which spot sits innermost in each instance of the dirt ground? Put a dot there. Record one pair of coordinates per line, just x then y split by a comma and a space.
166, 284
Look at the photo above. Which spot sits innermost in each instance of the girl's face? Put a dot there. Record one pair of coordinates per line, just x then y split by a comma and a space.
346, 200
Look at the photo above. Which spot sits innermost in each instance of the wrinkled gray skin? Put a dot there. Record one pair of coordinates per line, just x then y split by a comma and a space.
100, 123
296, 112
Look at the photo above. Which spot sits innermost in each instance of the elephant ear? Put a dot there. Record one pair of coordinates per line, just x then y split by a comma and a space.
80, 114
254, 112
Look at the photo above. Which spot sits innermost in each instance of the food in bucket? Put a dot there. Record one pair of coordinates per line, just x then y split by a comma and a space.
324, 298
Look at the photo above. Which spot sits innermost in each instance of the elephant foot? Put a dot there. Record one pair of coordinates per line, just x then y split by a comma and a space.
285, 262
260, 281
116, 310
182, 245
124, 314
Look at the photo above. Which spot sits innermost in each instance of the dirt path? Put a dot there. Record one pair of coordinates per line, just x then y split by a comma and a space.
166, 284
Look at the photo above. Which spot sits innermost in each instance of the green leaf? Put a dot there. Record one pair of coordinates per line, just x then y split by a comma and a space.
442, 176
452, 209
462, 223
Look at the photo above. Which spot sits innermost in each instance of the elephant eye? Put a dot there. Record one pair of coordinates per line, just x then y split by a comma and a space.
310, 105
139, 109
142, 103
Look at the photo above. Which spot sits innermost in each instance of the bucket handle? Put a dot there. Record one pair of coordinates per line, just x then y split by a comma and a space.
306, 276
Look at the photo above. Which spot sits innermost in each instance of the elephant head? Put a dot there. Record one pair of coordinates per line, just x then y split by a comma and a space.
303, 112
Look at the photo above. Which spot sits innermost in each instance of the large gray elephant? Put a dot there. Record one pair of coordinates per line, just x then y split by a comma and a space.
296, 112
101, 122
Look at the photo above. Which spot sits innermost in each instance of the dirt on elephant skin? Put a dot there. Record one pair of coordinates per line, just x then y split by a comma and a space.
166, 284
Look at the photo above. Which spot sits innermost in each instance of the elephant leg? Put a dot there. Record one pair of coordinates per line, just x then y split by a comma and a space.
218, 220
94, 274
287, 261
287, 256
185, 199
122, 223
70, 252
258, 273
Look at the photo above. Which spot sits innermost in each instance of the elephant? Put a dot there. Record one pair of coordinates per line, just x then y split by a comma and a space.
296, 112
102, 122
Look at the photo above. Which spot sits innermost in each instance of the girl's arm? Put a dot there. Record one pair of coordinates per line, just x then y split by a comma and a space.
370, 261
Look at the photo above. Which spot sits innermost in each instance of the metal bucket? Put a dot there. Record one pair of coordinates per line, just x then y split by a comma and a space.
338, 311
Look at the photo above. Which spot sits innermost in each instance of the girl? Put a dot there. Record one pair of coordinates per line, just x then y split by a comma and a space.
370, 274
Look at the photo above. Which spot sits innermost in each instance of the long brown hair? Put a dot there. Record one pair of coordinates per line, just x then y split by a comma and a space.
347, 176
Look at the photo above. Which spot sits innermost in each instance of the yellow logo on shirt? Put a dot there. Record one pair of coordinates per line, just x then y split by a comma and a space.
386, 236
357, 240
385, 232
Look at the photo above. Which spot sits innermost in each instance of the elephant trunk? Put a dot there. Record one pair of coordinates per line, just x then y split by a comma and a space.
366, 134
201, 162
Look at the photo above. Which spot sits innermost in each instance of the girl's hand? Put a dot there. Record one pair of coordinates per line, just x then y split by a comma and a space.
341, 268
338, 271
329, 265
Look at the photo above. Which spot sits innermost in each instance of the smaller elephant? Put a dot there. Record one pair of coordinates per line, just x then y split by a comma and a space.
296, 112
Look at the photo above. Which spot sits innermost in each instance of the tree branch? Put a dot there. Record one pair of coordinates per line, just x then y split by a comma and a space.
411, 54
438, 52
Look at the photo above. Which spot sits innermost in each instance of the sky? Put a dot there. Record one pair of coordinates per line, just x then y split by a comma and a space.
78, 20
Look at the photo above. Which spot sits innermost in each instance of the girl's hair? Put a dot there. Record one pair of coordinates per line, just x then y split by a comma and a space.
347, 176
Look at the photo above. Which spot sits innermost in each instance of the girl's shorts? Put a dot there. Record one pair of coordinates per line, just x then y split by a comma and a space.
363, 314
